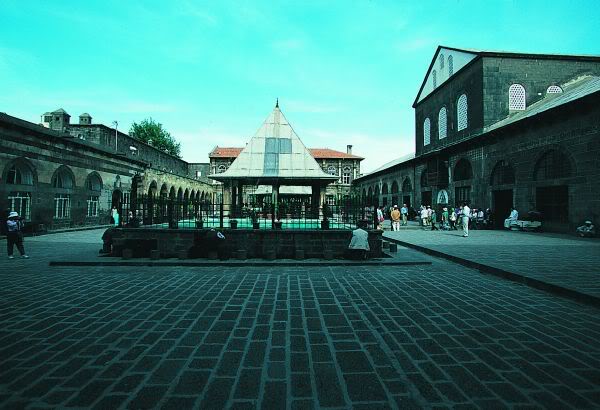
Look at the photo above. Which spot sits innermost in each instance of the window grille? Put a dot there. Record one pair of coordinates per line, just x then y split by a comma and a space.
331, 170
450, 65
516, 97
434, 74
62, 206
554, 89
426, 132
441, 61
20, 202
462, 113
92, 206
462, 194
442, 123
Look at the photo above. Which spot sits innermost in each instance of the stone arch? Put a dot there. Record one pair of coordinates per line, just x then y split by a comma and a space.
93, 182
180, 194
394, 188
364, 193
502, 174
553, 164
63, 178
463, 170
164, 190
153, 188
384, 188
406, 185
172, 192
20, 170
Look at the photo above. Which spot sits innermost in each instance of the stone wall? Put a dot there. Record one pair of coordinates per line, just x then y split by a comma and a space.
257, 243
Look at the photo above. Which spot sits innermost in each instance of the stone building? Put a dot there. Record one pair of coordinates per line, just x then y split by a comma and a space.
345, 165
498, 129
57, 174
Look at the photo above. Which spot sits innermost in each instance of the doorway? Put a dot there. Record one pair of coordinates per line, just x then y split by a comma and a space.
502, 202
426, 198
553, 203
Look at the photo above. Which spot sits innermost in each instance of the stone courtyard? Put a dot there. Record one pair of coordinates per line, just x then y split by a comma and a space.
439, 335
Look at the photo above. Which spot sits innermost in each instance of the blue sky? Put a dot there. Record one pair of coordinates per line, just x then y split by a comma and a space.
346, 72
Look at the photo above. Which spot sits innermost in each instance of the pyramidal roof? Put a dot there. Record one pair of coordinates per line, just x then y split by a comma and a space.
275, 152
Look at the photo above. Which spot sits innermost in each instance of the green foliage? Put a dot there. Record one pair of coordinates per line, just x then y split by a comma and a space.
153, 133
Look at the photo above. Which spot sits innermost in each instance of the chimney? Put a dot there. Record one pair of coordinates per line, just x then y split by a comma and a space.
349, 149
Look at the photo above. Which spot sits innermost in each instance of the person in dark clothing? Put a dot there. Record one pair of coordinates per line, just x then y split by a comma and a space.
14, 235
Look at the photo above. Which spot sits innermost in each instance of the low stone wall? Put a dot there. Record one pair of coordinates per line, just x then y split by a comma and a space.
256, 243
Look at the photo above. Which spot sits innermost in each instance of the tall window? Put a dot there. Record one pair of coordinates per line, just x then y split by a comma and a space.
346, 176
442, 123
554, 89
434, 75
462, 194
20, 202
450, 65
330, 200
461, 113
426, 132
62, 206
441, 61
92, 205
516, 97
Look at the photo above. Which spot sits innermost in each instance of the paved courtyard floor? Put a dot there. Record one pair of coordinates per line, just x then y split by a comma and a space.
562, 260
438, 335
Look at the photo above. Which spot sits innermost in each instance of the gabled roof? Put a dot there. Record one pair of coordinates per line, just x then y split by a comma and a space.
317, 153
326, 153
275, 153
424, 91
225, 152
60, 111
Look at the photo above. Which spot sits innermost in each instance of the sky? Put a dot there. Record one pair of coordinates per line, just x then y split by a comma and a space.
345, 72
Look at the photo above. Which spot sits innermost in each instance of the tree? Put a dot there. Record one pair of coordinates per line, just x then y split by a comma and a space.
153, 133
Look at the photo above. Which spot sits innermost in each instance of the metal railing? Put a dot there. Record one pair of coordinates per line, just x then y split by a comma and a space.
175, 213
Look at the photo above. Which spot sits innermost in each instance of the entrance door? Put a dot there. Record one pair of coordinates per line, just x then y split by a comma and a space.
502, 202
406, 200
426, 198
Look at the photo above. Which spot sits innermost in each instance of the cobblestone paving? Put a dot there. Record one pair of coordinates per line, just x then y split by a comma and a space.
563, 260
333, 337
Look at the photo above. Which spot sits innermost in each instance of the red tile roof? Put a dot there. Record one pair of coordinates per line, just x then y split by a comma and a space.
317, 153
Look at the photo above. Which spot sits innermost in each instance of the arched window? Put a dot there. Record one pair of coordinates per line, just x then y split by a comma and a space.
450, 65
384, 189
434, 76
552, 165
442, 123
516, 97
62, 179
462, 113
19, 174
346, 174
406, 185
94, 183
554, 89
331, 170
424, 179
502, 174
221, 169
426, 132
463, 170
441, 59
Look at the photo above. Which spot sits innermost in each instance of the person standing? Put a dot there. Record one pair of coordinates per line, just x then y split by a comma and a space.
14, 235
433, 220
395, 218
445, 220
380, 218
404, 214
115, 215
466, 216
424, 216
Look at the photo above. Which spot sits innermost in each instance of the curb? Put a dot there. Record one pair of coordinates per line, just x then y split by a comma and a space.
246, 263
515, 277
